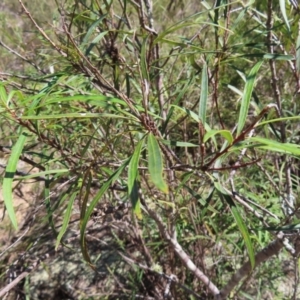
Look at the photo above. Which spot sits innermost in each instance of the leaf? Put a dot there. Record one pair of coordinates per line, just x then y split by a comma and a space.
203, 95
48, 172
95, 41
155, 164
247, 97
189, 112
66, 220
3, 95
48, 205
277, 56
289, 227
132, 179
298, 53
277, 120
274, 56
90, 31
9, 175
244, 231
225, 133
276, 146
178, 144
239, 221
86, 214
144, 65
182, 91
283, 12
73, 115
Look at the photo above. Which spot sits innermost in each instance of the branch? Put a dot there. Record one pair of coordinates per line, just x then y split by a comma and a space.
179, 251
272, 249
21, 56
42, 32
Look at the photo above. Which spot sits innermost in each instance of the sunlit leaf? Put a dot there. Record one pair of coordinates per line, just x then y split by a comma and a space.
3, 95
283, 12
179, 144
276, 56
132, 179
225, 133
204, 95
9, 176
155, 164
40, 174
276, 146
247, 96
72, 115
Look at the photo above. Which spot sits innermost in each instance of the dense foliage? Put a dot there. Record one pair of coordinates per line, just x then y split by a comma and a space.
169, 127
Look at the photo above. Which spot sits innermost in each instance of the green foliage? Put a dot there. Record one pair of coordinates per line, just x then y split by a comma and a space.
185, 115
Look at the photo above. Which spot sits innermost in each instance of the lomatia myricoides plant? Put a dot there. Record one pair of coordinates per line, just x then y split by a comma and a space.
177, 126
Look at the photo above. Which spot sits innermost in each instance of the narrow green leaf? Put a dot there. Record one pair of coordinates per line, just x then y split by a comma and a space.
155, 164
203, 95
91, 30
247, 97
48, 205
95, 42
277, 56
9, 175
274, 56
200, 199
278, 120
3, 95
298, 53
178, 144
244, 231
182, 91
276, 146
225, 133
234, 89
73, 115
189, 112
66, 220
241, 225
86, 215
135, 200
132, 179
98, 100
289, 227
283, 12
144, 65
48, 172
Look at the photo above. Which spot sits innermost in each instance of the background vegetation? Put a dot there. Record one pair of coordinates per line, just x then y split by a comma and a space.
156, 147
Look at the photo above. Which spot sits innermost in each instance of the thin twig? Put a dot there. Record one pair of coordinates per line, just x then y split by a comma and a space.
42, 32
21, 56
